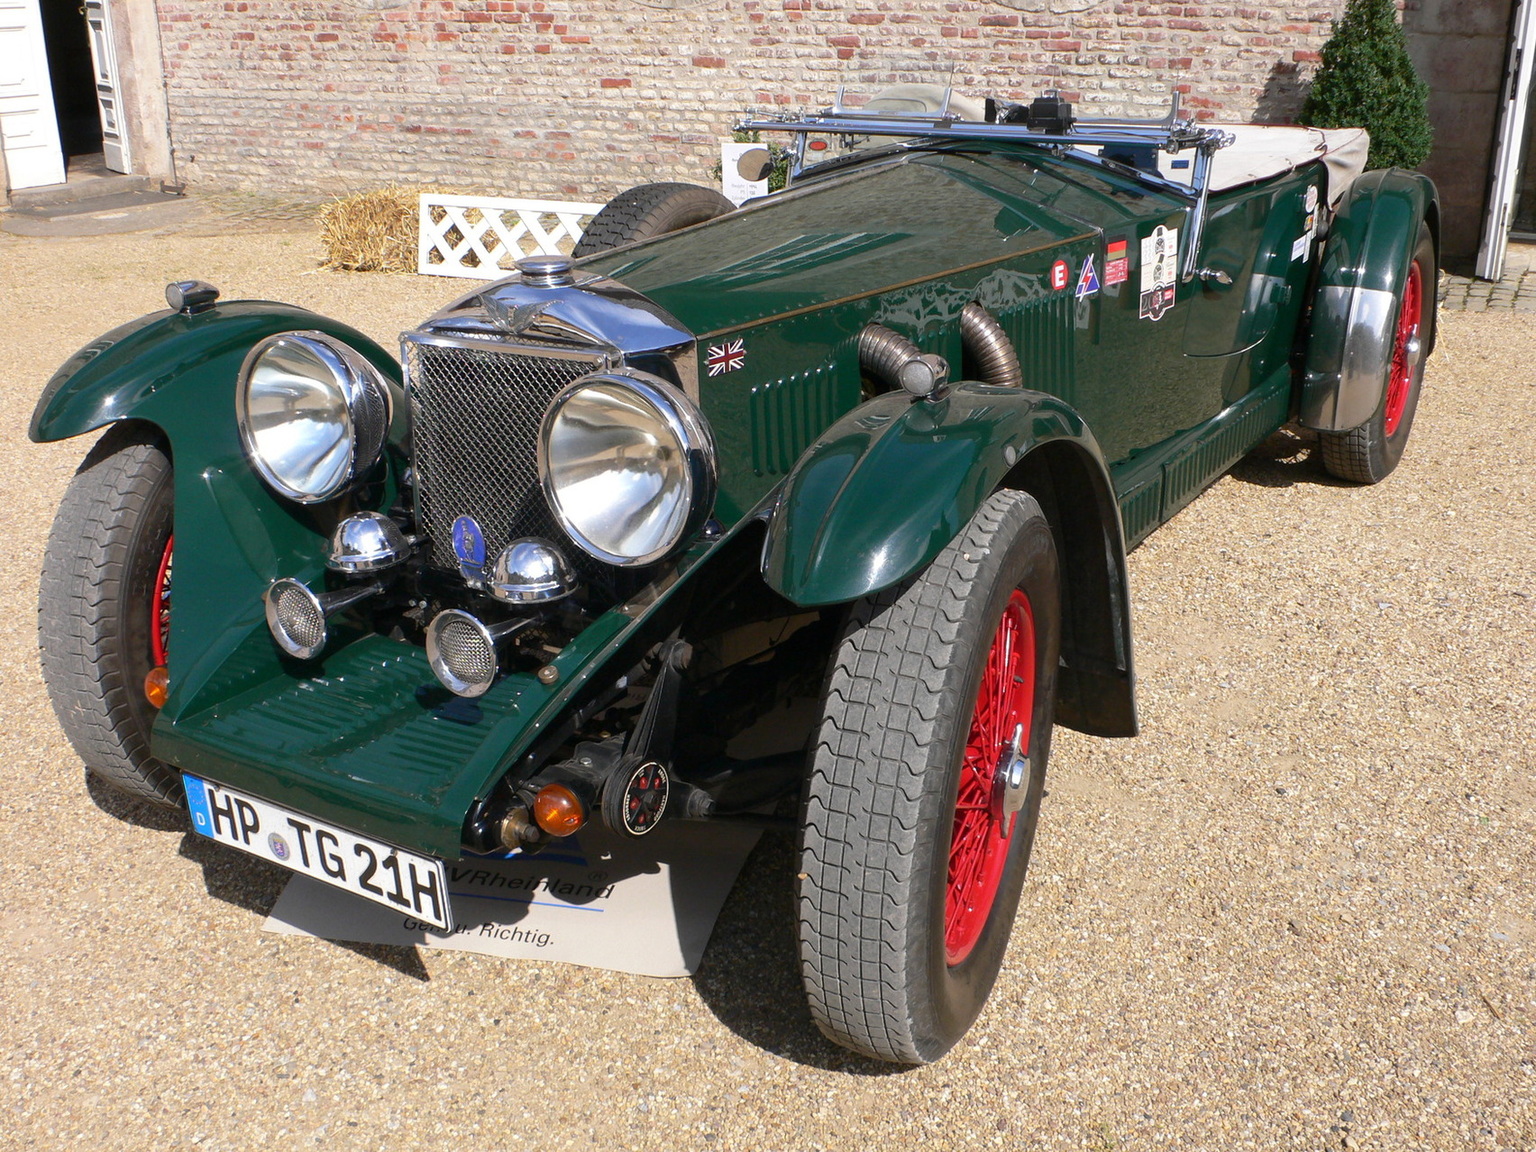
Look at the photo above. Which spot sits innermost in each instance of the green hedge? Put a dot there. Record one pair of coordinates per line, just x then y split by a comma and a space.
1367, 80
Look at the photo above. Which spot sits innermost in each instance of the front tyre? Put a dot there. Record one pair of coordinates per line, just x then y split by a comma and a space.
914, 846
103, 609
1369, 453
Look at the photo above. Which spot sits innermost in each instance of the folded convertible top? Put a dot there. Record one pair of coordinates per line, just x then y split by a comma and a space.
1262, 151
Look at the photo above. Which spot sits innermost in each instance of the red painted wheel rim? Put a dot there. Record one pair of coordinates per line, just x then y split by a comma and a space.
1409, 316
160, 607
978, 848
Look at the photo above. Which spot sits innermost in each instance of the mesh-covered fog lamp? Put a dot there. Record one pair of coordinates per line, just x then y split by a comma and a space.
298, 617
464, 651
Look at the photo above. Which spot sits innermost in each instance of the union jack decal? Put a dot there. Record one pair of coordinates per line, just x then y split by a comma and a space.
726, 357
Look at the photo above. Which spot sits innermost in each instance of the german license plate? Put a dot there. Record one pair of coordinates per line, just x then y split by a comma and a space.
368, 868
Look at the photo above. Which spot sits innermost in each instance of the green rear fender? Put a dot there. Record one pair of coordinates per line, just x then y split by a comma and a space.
883, 490
1360, 280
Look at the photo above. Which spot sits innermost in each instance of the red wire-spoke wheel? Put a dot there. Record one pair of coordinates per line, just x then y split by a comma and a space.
924, 787
1405, 349
160, 608
1000, 727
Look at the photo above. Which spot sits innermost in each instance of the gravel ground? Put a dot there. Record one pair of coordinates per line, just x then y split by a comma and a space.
1298, 912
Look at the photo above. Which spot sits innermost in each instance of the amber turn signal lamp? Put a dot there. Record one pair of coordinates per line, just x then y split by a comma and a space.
558, 810
157, 686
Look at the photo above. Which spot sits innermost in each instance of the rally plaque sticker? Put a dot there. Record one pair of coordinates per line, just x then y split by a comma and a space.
1159, 270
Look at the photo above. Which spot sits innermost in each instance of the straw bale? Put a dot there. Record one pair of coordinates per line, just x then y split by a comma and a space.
373, 231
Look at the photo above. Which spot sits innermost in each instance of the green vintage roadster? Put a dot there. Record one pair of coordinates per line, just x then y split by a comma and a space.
810, 515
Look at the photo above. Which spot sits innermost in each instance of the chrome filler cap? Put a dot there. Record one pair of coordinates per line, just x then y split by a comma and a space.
546, 271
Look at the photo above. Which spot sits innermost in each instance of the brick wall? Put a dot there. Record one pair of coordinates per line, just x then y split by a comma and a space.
582, 98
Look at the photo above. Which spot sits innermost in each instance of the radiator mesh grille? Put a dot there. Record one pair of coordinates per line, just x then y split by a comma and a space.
475, 417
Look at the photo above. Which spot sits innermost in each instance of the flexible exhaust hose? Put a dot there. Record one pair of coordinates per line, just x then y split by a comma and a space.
986, 341
882, 353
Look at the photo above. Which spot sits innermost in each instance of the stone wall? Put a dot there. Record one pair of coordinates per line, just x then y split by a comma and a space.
581, 98
1459, 48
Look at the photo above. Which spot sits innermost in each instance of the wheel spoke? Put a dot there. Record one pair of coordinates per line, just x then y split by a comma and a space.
978, 849
1410, 316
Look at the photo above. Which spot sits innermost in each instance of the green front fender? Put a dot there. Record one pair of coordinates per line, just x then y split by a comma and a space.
178, 372
163, 367
890, 484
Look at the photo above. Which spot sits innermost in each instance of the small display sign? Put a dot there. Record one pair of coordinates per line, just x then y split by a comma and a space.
1117, 263
739, 168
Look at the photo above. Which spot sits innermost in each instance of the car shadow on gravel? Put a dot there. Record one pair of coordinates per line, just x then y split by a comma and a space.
1287, 458
233, 877
255, 885
750, 977
139, 813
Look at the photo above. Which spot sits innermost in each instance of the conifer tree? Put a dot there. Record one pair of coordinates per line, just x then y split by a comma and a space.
1366, 80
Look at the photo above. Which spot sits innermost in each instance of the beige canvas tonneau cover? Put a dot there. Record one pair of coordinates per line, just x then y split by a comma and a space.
1261, 151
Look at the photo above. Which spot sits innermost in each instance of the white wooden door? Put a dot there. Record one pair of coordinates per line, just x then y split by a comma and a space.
1506, 164
29, 130
114, 141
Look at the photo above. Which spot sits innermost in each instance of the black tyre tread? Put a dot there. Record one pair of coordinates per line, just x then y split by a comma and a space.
640, 213
1347, 455
860, 825
78, 628
1361, 456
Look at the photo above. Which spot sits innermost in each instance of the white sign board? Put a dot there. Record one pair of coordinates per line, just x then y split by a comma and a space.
646, 906
737, 189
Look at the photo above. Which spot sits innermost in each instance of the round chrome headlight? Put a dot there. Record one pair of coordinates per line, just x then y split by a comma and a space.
628, 465
313, 414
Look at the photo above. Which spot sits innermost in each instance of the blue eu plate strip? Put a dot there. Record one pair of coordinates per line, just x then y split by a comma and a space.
197, 804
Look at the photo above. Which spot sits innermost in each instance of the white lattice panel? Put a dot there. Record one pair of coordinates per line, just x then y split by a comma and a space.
484, 236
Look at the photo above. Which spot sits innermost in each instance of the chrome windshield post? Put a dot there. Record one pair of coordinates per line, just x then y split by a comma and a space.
1205, 151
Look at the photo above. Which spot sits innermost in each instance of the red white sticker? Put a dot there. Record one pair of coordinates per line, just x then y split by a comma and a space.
1060, 274
726, 357
1117, 263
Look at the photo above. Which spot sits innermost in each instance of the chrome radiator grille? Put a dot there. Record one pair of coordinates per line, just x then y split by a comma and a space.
475, 416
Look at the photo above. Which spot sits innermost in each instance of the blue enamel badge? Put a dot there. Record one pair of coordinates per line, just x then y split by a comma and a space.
469, 548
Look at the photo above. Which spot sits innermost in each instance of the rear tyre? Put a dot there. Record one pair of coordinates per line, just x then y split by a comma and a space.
650, 210
1369, 453
103, 610
910, 868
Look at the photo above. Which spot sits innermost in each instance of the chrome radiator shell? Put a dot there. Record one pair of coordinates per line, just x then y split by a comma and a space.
479, 376
475, 410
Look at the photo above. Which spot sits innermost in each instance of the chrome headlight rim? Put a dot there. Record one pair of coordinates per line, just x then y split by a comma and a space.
367, 404
687, 426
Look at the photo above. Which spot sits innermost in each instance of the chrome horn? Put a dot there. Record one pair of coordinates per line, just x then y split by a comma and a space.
463, 651
296, 615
